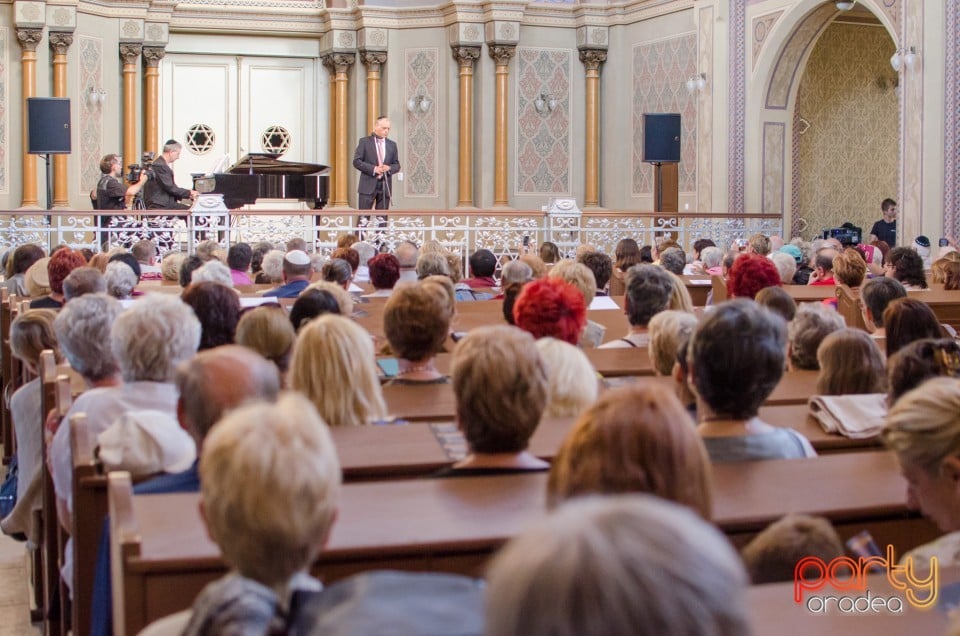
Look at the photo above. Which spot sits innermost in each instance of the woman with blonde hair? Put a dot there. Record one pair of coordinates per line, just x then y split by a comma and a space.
635, 439
268, 331
850, 363
572, 380
680, 299
923, 430
333, 365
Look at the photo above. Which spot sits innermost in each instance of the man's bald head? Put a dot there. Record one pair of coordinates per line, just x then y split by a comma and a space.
218, 380
407, 253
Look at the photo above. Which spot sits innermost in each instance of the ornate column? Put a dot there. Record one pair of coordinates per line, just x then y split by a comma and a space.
466, 56
129, 52
373, 60
151, 98
340, 151
592, 60
327, 61
59, 43
501, 55
29, 39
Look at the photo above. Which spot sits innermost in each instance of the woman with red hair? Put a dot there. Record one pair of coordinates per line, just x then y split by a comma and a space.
749, 274
61, 263
551, 307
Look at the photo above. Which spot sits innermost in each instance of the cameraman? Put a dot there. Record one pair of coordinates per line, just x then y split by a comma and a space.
111, 193
161, 192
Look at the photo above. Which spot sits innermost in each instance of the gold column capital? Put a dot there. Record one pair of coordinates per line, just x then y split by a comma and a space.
129, 52
593, 58
373, 60
152, 56
60, 42
339, 62
466, 55
29, 38
502, 54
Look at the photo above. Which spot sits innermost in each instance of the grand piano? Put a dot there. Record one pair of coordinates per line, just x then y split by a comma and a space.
264, 176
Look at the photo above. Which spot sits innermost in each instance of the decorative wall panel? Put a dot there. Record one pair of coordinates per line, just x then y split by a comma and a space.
760, 29
4, 113
419, 151
544, 139
90, 74
774, 163
951, 168
660, 70
737, 73
849, 155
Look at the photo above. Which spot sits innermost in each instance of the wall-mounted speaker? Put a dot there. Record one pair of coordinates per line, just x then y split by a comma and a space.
48, 125
661, 137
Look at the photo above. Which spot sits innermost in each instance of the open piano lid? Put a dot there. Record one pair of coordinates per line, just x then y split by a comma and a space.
266, 163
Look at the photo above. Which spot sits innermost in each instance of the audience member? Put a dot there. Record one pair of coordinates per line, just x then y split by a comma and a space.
23, 257
849, 268
908, 319
786, 266
923, 430
759, 243
515, 272
919, 361
407, 254
673, 260
83, 332
680, 299
626, 255
551, 307
772, 556
549, 253
823, 267
500, 386
347, 239
187, 268
272, 268
749, 274
875, 295
432, 264
572, 381
712, 258
213, 271
270, 487
351, 256
537, 267
296, 275
312, 303
260, 250
30, 334
365, 251
811, 324
120, 280
416, 322
648, 293
384, 274
83, 280
667, 330
239, 257
338, 272
736, 359
850, 362
217, 307
170, 266
777, 300
510, 294
580, 276
905, 265
333, 365
61, 263
267, 330
483, 264
145, 251
640, 564
207, 250
37, 280
635, 439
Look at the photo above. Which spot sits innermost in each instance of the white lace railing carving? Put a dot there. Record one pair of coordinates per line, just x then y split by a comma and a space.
458, 230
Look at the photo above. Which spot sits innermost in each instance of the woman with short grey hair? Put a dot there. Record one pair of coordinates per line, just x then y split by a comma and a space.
121, 280
83, 331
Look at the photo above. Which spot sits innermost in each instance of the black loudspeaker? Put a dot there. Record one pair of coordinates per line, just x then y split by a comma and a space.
48, 125
661, 137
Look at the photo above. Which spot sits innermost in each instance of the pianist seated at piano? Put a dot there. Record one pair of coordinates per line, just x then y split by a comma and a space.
297, 271
161, 191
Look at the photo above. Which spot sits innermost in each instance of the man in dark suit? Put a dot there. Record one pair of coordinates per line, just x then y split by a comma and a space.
377, 159
161, 192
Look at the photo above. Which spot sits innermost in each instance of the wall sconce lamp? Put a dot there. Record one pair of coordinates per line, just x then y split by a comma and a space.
545, 104
905, 58
845, 5
420, 103
96, 96
697, 83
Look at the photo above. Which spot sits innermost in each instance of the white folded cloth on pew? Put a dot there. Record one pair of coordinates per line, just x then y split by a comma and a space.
854, 416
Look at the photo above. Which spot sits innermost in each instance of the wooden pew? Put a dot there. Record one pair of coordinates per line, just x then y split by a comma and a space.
699, 288
945, 305
6, 421
610, 363
162, 556
432, 402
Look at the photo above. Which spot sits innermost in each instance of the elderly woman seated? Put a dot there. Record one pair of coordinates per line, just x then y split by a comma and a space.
338, 272
333, 365
906, 266
634, 439
551, 307
416, 321
384, 274
500, 386
217, 308
923, 430
736, 359
121, 280
574, 383
811, 324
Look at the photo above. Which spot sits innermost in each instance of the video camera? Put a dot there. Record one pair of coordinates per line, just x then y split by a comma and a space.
848, 235
145, 165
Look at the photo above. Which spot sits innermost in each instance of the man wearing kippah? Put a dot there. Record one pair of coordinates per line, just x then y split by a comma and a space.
296, 275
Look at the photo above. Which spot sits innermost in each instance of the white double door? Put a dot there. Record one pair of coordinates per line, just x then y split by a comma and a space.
240, 100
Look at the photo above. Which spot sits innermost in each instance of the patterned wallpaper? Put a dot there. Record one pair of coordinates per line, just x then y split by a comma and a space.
420, 149
736, 134
543, 140
849, 154
951, 167
90, 74
4, 113
660, 70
